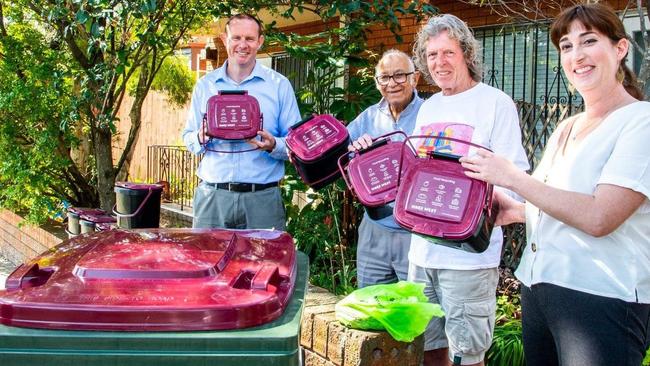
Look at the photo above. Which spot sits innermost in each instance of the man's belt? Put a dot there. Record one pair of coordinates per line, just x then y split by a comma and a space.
242, 187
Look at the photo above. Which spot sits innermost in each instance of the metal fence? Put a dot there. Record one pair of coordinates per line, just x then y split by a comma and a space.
522, 61
176, 166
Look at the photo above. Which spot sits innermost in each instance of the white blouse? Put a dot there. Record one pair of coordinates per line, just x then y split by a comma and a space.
616, 265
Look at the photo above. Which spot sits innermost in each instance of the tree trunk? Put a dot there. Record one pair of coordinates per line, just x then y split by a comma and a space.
105, 170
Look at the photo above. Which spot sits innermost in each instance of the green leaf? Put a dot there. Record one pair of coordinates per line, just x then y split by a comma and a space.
82, 16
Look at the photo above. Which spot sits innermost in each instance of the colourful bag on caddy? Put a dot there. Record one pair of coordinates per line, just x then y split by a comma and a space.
436, 199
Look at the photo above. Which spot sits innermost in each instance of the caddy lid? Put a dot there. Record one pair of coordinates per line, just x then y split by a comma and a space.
98, 219
437, 199
78, 211
310, 139
373, 174
154, 279
138, 186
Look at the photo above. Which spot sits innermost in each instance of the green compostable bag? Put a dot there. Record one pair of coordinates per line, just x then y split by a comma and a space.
400, 308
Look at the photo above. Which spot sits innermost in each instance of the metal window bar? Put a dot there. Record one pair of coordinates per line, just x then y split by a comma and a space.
531, 74
520, 60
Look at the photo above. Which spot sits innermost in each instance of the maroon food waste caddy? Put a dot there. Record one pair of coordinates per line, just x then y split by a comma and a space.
315, 145
75, 213
154, 280
90, 223
233, 115
435, 198
371, 173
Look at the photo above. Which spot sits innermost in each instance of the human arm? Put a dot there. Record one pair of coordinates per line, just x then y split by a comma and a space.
287, 117
598, 214
510, 210
358, 130
193, 131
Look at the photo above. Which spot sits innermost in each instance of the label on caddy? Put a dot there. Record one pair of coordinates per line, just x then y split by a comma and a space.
438, 196
380, 175
234, 117
316, 135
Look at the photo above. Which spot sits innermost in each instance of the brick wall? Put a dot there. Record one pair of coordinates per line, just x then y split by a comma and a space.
326, 342
20, 243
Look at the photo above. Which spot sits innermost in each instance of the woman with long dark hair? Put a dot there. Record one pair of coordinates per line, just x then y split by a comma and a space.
586, 268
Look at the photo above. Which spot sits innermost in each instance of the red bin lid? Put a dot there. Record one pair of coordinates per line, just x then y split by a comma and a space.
312, 138
154, 279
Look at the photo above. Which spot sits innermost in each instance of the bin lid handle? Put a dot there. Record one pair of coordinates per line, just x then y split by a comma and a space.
267, 274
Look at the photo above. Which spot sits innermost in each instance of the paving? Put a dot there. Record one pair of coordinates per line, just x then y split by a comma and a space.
6, 268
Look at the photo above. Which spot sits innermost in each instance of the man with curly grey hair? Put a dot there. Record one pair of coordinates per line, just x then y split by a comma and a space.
463, 283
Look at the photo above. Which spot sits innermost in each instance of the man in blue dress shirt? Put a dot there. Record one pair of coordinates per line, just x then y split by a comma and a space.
382, 248
240, 190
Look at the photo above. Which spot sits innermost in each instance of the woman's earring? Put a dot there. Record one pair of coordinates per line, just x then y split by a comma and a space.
620, 74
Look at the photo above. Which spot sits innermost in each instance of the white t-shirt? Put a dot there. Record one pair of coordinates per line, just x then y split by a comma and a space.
616, 265
485, 116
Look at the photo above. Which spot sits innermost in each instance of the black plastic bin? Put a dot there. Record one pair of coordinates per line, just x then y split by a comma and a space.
137, 205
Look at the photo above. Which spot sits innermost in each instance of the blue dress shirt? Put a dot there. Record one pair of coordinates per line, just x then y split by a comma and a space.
377, 120
279, 110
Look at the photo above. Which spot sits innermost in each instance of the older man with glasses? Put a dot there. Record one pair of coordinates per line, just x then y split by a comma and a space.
382, 248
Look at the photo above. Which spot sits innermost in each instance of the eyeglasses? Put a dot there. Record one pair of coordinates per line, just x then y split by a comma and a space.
398, 78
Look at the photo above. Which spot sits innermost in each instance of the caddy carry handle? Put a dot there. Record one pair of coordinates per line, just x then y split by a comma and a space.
205, 128
343, 166
303, 121
144, 201
431, 154
267, 274
236, 92
377, 142
381, 141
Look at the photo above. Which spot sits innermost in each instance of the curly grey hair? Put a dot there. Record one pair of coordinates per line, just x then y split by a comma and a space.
456, 29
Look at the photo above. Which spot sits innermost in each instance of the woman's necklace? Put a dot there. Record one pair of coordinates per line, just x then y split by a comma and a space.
585, 126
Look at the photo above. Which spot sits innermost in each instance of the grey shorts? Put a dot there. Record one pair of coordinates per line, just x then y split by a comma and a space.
382, 254
220, 208
468, 298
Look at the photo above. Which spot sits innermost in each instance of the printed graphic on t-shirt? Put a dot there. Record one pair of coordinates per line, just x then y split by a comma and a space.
455, 130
